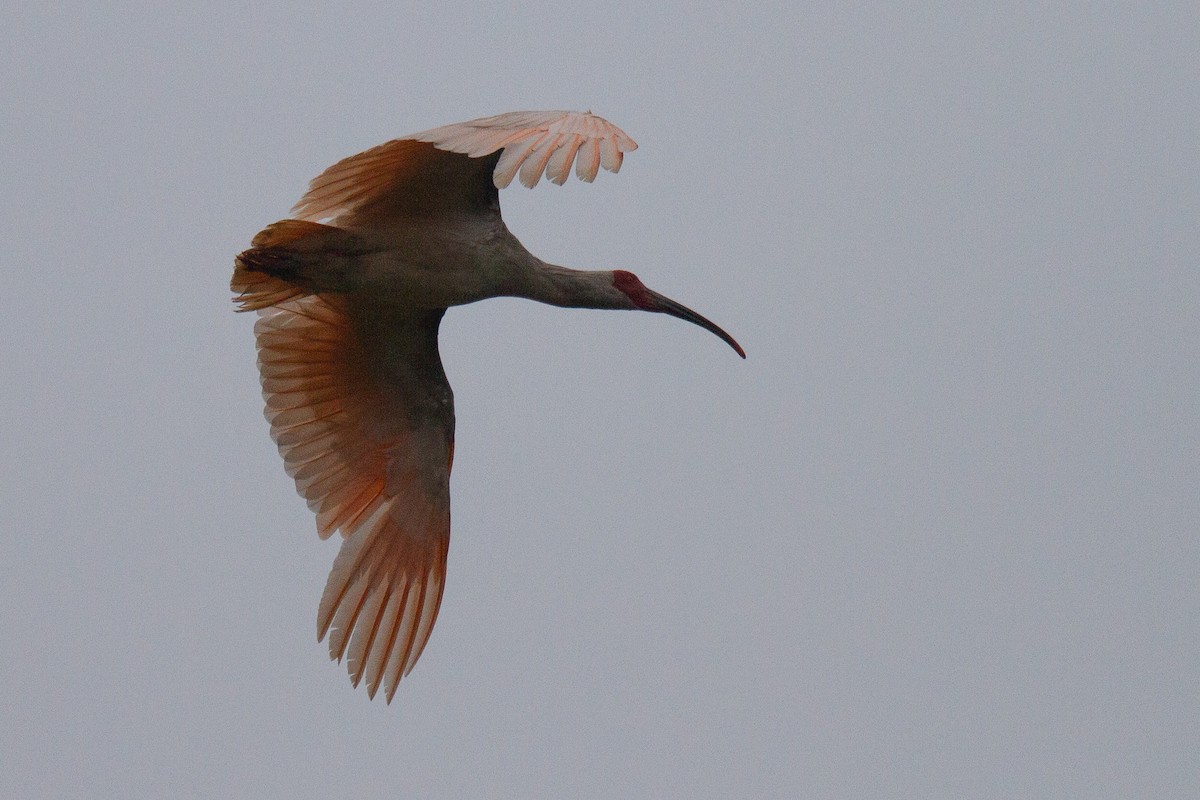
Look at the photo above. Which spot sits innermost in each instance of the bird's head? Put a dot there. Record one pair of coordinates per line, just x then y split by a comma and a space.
649, 300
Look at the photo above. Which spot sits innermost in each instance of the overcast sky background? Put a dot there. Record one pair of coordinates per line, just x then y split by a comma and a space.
936, 537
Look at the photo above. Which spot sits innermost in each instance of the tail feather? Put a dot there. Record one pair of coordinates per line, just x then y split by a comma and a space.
291, 258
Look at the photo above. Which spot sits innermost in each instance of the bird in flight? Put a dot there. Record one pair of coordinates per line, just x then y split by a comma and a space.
350, 292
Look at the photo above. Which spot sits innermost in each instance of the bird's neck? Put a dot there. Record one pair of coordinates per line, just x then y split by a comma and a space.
573, 288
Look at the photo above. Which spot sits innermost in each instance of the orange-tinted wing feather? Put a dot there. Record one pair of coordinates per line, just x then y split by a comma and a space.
460, 166
363, 416
396, 179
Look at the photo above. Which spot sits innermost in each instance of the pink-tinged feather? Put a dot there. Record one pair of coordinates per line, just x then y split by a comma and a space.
610, 156
511, 159
359, 462
535, 162
558, 168
587, 162
353, 387
379, 183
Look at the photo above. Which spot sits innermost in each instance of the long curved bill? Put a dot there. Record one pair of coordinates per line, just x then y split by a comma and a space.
666, 305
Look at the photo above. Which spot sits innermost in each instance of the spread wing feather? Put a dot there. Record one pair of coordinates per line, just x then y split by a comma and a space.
460, 166
355, 393
367, 436
530, 139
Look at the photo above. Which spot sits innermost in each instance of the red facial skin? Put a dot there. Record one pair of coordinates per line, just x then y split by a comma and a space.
646, 300
633, 288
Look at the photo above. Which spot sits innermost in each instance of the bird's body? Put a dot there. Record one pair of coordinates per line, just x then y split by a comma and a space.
350, 293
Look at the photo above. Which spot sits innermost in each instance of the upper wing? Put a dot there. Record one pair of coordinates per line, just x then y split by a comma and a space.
449, 167
363, 416
535, 142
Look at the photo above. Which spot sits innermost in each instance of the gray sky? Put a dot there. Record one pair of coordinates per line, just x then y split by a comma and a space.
936, 537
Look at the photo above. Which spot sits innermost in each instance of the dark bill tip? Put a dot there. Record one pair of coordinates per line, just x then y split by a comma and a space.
665, 305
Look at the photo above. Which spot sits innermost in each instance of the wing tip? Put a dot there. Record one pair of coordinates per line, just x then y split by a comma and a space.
552, 139
382, 598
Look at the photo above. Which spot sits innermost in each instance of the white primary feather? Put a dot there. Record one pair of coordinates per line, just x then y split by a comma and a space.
537, 143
